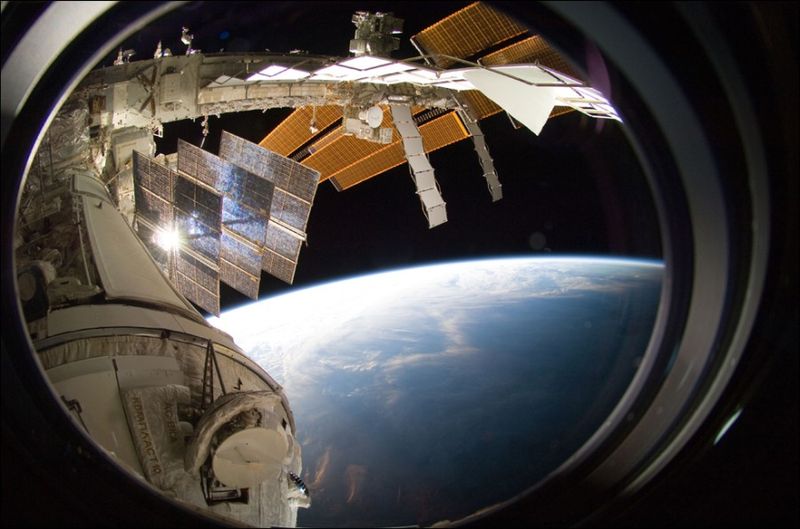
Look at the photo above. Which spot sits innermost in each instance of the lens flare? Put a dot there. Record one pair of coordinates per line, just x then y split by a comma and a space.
168, 238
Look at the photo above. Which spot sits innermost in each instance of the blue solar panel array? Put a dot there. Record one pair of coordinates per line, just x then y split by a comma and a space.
293, 195
167, 201
235, 216
246, 203
198, 217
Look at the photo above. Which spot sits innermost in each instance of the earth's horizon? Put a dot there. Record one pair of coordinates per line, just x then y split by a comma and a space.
427, 393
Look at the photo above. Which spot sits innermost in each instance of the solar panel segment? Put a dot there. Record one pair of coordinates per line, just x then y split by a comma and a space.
153, 188
295, 188
533, 49
294, 131
198, 281
466, 33
197, 216
240, 264
285, 173
344, 150
437, 133
167, 201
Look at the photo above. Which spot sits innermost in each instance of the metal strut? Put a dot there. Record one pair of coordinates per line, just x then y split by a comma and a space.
207, 396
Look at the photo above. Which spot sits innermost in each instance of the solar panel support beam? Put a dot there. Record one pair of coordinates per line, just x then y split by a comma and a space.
433, 205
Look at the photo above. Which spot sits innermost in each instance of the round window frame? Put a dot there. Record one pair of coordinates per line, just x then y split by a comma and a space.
702, 330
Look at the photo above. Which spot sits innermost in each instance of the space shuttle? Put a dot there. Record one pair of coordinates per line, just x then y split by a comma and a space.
117, 248
172, 399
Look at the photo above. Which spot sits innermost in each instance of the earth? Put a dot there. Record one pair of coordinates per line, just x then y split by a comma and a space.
428, 393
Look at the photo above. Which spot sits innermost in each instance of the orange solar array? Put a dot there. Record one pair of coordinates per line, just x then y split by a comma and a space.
325, 140
481, 106
437, 133
345, 150
293, 132
532, 49
337, 151
467, 32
